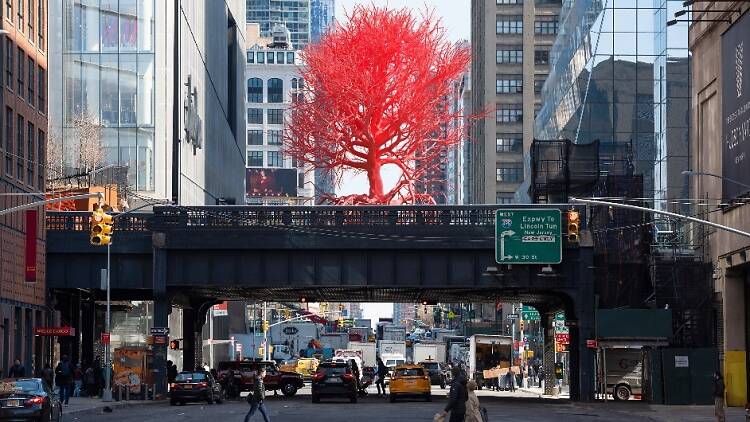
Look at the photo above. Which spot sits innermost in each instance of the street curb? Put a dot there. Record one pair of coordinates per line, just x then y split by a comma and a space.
114, 406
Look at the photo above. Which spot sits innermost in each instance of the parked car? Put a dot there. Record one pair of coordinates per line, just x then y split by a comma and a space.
28, 398
191, 386
288, 382
334, 379
410, 381
437, 372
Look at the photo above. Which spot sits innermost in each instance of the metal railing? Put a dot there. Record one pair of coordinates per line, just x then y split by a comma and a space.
217, 217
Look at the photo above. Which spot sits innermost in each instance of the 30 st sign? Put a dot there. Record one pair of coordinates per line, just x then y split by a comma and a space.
528, 236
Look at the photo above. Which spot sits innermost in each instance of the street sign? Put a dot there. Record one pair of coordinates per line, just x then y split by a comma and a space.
512, 316
592, 344
159, 331
571, 323
531, 316
159, 339
562, 338
528, 236
55, 331
105, 338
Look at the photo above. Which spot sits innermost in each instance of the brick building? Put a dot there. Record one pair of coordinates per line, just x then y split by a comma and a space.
23, 120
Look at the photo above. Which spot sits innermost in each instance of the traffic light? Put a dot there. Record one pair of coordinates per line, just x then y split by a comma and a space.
341, 322
265, 326
101, 225
341, 307
174, 345
521, 325
574, 226
429, 303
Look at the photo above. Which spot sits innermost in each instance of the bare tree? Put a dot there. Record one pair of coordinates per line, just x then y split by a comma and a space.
55, 160
81, 151
88, 130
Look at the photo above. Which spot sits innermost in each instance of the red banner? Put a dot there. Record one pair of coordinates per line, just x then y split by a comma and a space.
55, 331
562, 338
31, 223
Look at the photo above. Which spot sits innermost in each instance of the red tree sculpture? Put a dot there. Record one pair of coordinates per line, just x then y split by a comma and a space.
376, 93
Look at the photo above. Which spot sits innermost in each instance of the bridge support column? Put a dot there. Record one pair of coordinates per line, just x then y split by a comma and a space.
188, 339
548, 361
582, 370
162, 308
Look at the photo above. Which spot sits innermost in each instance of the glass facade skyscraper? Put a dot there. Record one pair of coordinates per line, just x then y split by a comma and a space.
108, 77
322, 15
294, 14
618, 75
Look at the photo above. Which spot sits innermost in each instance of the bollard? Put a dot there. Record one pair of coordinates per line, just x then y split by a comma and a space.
119, 393
127, 393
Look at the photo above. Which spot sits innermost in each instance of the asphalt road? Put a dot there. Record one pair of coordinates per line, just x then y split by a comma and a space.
370, 409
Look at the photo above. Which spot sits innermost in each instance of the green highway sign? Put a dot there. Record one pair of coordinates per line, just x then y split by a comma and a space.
529, 313
528, 236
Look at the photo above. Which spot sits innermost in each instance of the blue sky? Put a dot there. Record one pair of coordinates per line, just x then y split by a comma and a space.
455, 16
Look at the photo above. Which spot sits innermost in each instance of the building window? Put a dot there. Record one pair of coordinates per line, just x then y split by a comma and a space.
541, 57
545, 25
539, 83
509, 142
9, 9
280, 57
270, 57
9, 63
32, 71
40, 25
20, 15
251, 57
30, 20
20, 75
275, 90
509, 113
255, 90
275, 116
255, 137
509, 54
41, 85
30, 152
20, 126
275, 159
504, 198
548, 2
40, 159
509, 25
8, 141
255, 116
499, 2
509, 84
290, 58
261, 57
275, 137
255, 158
509, 172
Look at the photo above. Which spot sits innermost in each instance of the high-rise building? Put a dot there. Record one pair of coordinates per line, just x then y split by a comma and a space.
322, 16
515, 55
405, 314
23, 48
294, 14
177, 124
273, 82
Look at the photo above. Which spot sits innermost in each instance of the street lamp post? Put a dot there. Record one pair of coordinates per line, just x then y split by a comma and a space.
107, 393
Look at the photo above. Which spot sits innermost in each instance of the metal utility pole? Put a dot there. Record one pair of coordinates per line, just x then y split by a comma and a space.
107, 394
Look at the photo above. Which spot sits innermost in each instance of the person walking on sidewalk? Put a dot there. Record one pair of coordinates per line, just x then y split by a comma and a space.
64, 379
257, 397
457, 396
77, 380
473, 410
719, 397
90, 380
17, 370
382, 371
48, 375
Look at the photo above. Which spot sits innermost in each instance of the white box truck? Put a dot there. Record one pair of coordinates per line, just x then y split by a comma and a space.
392, 352
394, 333
335, 341
433, 351
295, 335
487, 350
369, 352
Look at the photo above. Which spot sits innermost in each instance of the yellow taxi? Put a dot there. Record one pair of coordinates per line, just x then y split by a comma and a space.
410, 381
307, 367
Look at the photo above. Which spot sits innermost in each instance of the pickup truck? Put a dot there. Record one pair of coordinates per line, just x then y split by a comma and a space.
275, 379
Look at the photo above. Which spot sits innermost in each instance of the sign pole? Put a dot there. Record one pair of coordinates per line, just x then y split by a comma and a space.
107, 394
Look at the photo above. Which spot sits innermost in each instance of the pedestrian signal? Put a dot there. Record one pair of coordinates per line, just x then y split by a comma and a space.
174, 345
574, 226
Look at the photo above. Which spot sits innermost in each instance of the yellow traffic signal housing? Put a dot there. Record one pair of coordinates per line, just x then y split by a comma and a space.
521, 325
265, 326
574, 226
101, 226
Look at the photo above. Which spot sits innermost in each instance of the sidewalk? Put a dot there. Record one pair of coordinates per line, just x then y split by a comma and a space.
662, 413
79, 406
